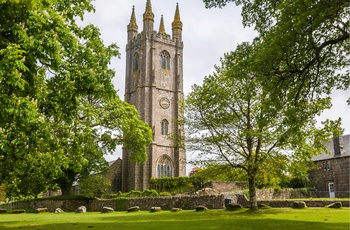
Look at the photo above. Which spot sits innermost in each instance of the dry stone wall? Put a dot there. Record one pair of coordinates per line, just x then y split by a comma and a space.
166, 203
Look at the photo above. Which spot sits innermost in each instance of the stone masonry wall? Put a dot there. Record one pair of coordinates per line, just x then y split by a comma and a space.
224, 186
166, 203
334, 170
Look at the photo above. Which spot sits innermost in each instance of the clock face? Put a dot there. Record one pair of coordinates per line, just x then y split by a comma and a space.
164, 102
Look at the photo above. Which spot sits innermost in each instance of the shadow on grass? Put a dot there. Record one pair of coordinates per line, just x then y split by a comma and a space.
263, 224
213, 219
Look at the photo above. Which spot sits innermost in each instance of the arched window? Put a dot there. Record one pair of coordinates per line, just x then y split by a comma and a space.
165, 167
165, 60
164, 127
136, 62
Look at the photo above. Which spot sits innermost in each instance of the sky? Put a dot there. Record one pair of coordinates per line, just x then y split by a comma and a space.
207, 35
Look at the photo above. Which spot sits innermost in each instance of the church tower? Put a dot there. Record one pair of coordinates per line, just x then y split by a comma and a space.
154, 85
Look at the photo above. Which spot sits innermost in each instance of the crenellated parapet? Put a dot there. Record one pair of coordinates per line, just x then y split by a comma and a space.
148, 26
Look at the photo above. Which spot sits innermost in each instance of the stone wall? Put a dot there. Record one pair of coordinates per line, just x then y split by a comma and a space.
273, 194
334, 170
224, 186
309, 203
166, 203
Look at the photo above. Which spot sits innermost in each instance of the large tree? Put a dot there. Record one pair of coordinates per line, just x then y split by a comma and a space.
59, 110
303, 45
232, 119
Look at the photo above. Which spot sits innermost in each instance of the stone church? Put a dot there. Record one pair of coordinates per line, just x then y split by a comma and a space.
154, 85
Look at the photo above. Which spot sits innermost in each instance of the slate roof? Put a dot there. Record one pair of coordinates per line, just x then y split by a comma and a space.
330, 147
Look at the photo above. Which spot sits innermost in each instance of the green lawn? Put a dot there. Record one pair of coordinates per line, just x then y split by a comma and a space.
272, 219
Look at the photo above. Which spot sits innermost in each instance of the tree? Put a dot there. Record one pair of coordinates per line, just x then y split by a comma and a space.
232, 119
94, 186
303, 45
57, 98
96, 131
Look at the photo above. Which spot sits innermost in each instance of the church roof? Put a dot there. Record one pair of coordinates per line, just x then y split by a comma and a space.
330, 146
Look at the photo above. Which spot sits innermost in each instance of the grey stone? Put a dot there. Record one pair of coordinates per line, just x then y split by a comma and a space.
18, 211
134, 209
81, 209
233, 207
155, 209
3, 211
39, 210
335, 205
58, 210
176, 209
201, 208
299, 204
107, 209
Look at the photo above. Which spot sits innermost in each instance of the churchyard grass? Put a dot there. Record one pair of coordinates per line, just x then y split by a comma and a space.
275, 218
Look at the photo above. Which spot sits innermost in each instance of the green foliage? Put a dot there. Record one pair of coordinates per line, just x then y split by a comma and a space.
61, 113
233, 120
121, 204
66, 197
2, 193
165, 194
150, 193
133, 193
177, 184
94, 185
302, 44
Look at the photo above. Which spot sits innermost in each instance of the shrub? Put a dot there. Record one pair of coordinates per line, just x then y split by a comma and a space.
133, 193
94, 185
176, 184
165, 194
150, 193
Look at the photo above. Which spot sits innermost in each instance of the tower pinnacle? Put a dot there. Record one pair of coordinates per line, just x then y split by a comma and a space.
177, 25
133, 25
148, 15
161, 26
148, 18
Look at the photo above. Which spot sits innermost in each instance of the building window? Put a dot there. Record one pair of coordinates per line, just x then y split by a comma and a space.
164, 127
326, 166
164, 167
136, 62
165, 60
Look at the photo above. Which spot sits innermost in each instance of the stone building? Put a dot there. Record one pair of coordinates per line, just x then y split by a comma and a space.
114, 174
154, 85
331, 177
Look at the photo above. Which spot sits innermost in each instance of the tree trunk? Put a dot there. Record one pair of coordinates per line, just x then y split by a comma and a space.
66, 180
252, 194
66, 189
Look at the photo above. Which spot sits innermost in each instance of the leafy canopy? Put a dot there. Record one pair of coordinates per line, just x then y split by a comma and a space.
232, 119
59, 110
303, 45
